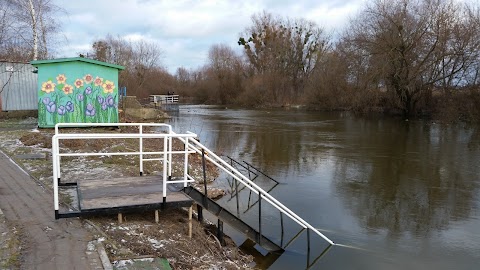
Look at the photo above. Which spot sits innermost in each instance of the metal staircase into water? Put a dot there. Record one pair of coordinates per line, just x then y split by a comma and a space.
224, 215
263, 198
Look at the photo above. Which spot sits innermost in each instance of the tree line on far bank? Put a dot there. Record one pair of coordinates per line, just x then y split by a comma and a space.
406, 57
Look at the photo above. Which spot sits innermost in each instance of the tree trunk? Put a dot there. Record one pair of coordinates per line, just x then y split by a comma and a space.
34, 30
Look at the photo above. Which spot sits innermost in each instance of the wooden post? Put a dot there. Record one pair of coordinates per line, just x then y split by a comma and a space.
190, 211
120, 218
157, 216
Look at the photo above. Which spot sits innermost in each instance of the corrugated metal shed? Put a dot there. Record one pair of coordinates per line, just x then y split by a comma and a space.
18, 86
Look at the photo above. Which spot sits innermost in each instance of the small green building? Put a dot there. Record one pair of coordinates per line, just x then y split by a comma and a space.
77, 90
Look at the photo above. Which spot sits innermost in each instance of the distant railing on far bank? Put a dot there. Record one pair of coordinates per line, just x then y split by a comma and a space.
164, 99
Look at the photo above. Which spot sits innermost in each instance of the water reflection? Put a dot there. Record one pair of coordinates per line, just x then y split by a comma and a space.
400, 176
404, 180
412, 177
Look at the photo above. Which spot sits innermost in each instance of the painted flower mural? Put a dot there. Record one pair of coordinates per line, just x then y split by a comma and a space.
108, 86
67, 89
61, 78
98, 81
61, 110
78, 83
88, 78
69, 106
90, 110
48, 87
51, 107
86, 99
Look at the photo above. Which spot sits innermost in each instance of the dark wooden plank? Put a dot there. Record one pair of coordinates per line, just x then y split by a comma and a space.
99, 188
122, 192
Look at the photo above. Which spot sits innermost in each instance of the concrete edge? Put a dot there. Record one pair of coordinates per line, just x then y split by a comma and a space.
107, 265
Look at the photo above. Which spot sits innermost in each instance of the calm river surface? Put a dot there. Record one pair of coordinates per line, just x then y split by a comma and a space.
394, 194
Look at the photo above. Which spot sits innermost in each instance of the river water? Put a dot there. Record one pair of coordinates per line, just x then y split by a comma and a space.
393, 194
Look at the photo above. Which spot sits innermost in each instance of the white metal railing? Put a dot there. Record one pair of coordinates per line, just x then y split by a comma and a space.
191, 145
233, 172
165, 154
164, 99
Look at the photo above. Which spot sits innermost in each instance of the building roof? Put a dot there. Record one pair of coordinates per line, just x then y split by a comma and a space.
13, 62
73, 59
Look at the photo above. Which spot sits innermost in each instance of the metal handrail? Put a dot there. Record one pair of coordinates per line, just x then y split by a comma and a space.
139, 125
164, 99
190, 145
166, 152
233, 172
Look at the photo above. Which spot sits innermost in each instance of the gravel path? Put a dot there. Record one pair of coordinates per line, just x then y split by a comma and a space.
47, 243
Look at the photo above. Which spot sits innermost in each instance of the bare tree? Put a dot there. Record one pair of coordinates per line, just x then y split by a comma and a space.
225, 71
284, 51
183, 80
27, 28
141, 59
413, 47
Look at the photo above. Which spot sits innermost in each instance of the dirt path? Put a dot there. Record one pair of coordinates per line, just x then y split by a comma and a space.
47, 243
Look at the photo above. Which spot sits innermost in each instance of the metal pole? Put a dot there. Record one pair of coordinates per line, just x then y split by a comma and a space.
249, 197
140, 131
200, 212
165, 179
236, 195
259, 217
308, 248
204, 176
55, 179
220, 232
281, 225
170, 155
185, 165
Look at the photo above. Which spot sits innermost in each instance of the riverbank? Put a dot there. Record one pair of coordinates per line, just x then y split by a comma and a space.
138, 236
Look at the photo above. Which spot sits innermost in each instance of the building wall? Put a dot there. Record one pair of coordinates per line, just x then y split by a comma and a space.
18, 86
77, 92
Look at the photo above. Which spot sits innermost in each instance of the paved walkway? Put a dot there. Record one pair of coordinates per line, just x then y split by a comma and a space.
50, 244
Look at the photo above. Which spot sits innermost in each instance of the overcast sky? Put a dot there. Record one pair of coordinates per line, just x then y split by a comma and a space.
185, 29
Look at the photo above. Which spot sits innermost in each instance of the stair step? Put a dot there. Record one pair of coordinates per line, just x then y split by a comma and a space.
227, 217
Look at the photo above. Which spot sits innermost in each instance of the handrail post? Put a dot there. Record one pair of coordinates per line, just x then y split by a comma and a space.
204, 177
140, 131
236, 195
170, 154
55, 176
57, 159
165, 178
259, 218
185, 164
308, 248
281, 226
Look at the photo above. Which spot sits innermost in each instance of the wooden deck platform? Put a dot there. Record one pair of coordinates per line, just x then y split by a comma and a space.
126, 192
